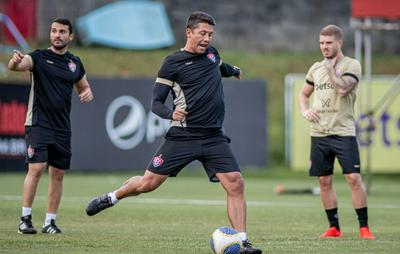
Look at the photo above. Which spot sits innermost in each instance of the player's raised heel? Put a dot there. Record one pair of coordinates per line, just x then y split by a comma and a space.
98, 204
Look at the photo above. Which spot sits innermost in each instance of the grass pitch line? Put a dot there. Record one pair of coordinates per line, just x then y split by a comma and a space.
205, 202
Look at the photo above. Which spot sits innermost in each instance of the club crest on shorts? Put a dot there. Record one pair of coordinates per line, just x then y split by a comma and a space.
158, 161
72, 66
212, 57
30, 152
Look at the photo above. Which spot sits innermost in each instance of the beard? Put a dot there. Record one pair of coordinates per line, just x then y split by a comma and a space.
59, 46
332, 55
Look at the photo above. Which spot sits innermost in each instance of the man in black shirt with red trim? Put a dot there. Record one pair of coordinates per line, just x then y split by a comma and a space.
55, 72
193, 76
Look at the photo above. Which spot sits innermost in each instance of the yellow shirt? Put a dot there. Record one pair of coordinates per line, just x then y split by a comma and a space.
336, 112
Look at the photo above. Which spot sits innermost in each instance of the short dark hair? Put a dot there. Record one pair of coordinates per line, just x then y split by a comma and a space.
65, 22
332, 30
199, 17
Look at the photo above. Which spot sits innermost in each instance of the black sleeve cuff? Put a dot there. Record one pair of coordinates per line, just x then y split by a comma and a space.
309, 82
351, 75
237, 71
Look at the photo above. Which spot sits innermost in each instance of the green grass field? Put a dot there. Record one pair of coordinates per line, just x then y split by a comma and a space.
180, 216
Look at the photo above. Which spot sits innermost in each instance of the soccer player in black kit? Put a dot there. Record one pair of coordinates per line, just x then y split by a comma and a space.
55, 72
193, 77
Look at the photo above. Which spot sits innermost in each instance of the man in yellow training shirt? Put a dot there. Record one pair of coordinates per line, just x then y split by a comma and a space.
334, 83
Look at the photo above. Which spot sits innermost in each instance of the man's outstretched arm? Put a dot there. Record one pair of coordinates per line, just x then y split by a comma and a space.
228, 70
20, 62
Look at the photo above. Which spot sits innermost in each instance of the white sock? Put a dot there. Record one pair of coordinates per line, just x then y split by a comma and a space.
243, 235
49, 217
26, 211
113, 197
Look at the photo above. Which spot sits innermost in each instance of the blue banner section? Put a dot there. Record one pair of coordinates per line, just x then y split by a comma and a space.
128, 25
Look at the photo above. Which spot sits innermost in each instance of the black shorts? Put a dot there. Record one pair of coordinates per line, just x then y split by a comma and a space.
47, 145
214, 153
325, 149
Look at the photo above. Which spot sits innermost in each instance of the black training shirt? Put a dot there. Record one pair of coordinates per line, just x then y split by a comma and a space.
196, 86
53, 77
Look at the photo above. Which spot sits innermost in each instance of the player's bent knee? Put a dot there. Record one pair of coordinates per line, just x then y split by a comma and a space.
57, 177
325, 181
239, 187
235, 185
354, 180
35, 173
36, 169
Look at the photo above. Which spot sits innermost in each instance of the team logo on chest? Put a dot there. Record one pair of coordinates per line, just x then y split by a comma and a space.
72, 66
212, 57
158, 161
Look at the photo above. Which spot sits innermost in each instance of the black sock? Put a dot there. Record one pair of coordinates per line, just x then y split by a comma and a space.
333, 217
362, 214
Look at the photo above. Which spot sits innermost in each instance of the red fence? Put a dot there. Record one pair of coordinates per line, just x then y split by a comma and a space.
387, 9
24, 15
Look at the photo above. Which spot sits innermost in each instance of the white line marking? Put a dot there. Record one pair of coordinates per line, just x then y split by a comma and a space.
204, 202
